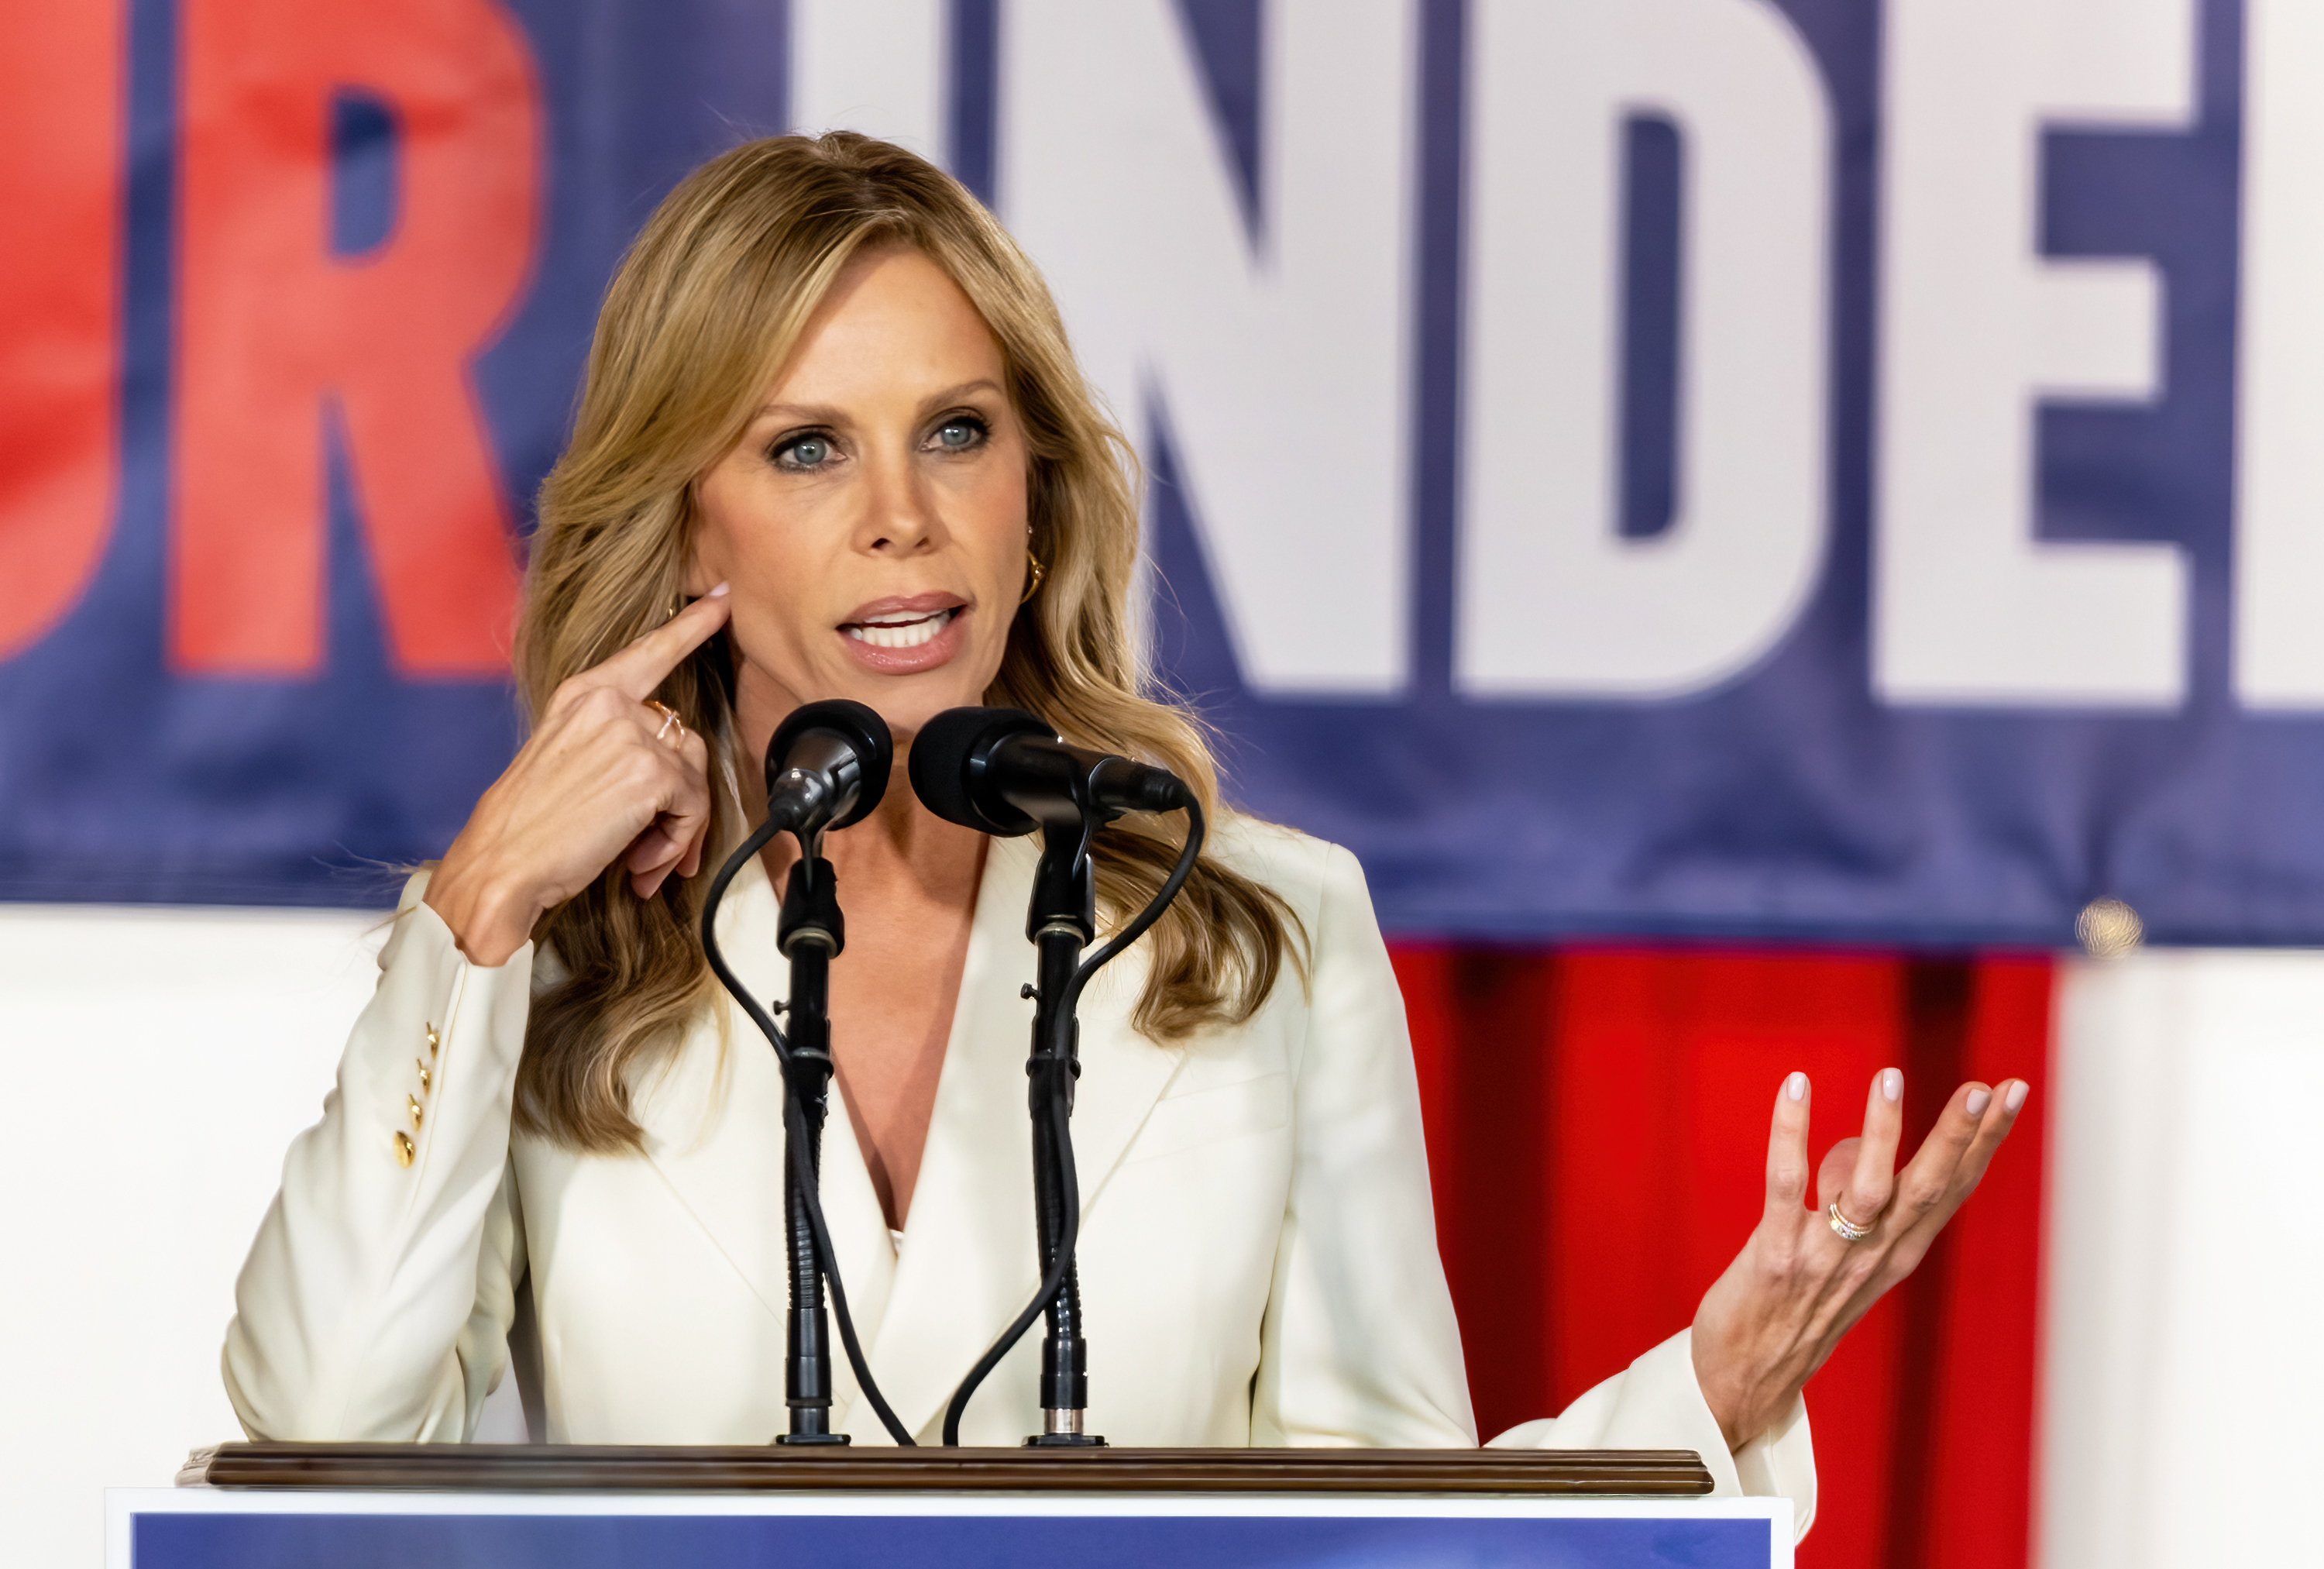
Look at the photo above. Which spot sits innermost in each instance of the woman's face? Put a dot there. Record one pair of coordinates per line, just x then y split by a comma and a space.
872, 520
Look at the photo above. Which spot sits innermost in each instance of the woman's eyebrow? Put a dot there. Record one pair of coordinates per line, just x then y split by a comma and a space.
825, 414
800, 413
954, 394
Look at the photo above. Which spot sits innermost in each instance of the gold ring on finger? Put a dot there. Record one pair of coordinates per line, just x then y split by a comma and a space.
1846, 1230
669, 718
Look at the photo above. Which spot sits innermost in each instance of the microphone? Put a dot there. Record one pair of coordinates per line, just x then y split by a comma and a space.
1003, 772
827, 767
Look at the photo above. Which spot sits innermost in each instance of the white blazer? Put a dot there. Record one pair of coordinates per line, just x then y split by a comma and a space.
1258, 1251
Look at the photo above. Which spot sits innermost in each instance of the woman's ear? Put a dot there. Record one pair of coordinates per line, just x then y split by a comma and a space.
700, 577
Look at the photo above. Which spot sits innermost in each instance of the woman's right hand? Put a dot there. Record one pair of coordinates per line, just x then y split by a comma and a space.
598, 780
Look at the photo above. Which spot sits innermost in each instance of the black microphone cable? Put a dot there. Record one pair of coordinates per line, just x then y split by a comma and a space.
1070, 1195
794, 1125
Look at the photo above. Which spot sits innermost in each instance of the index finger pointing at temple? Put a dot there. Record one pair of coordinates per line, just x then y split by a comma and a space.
640, 667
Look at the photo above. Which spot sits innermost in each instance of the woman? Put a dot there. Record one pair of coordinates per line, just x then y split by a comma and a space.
831, 405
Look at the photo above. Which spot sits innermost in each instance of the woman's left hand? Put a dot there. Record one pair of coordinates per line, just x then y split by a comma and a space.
1798, 1285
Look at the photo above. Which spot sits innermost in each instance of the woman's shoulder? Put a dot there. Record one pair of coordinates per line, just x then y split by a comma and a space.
1306, 872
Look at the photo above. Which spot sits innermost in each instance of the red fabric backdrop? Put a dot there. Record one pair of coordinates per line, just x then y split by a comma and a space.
1597, 1133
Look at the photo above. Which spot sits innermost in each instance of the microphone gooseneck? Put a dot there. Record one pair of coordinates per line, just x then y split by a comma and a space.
1006, 772
827, 767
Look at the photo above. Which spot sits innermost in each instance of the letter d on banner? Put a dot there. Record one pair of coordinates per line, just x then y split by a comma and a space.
1553, 600
273, 328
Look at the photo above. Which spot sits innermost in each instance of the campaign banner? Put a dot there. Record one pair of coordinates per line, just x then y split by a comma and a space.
286, 1529
1815, 469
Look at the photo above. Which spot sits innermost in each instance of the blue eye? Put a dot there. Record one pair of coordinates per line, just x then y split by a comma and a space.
959, 435
808, 452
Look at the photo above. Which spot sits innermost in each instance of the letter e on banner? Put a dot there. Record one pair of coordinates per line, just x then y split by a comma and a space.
60, 117
1554, 600
1968, 606
274, 329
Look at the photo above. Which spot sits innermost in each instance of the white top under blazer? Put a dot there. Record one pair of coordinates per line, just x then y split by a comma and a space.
1257, 1252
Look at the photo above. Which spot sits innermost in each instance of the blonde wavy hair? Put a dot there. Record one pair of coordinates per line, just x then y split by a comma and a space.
701, 316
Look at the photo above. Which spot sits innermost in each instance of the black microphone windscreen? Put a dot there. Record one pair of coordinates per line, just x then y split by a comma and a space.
941, 759
865, 732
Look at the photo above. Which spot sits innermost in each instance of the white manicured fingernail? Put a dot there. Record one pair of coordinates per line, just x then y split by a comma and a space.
1979, 1099
1796, 1086
2016, 1095
716, 593
1892, 1083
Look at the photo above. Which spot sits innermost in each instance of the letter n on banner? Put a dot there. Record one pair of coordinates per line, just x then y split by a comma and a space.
60, 117
273, 328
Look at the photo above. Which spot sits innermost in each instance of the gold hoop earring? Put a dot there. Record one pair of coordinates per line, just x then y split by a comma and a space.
1033, 583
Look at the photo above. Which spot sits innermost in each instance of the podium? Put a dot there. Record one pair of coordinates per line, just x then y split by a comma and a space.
393, 1505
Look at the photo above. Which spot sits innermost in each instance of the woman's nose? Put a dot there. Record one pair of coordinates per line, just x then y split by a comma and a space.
899, 512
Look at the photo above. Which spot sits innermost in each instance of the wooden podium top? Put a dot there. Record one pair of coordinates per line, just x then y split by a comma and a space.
605, 1468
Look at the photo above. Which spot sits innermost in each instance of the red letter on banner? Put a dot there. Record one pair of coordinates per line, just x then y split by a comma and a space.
60, 117
272, 326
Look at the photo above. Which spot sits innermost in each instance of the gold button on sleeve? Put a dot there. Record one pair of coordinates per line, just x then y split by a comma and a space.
405, 1148
426, 1077
414, 1102
432, 1042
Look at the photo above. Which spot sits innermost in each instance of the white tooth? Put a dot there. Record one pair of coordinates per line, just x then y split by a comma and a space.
901, 634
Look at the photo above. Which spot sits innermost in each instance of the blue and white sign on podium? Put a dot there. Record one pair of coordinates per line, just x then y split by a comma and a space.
205, 1527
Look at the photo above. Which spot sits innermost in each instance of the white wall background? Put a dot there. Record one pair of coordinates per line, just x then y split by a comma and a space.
2185, 1366
158, 1062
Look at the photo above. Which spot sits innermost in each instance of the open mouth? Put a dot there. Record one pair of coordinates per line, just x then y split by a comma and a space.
901, 629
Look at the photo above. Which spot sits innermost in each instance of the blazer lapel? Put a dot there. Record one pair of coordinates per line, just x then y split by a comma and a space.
1123, 1073
968, 1262
712, 1117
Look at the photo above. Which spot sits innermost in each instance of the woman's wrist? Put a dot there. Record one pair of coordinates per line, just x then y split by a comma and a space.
489, 914
1745, 1399
1718, 1392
